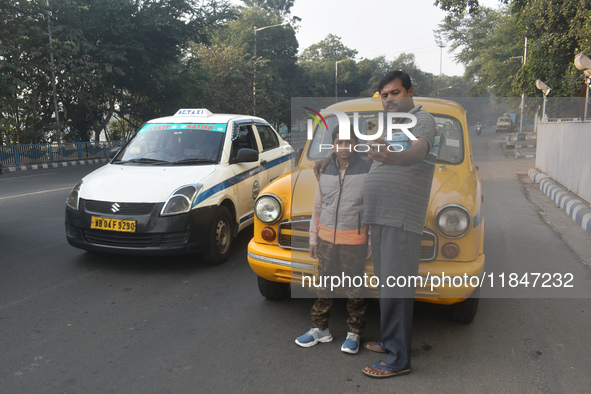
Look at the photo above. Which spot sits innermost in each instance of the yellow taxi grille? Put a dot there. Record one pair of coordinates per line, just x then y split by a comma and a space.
295, 235
428, 246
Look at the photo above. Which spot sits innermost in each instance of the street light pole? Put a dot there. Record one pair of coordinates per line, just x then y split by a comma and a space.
254, 76
583, 63
523, 94
523, 61
336, 76
440, 44
546, 90
588, 83
439, 90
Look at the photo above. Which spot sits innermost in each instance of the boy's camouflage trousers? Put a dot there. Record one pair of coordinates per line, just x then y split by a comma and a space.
338, 260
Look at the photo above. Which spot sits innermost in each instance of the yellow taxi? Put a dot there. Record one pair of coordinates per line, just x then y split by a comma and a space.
504, 123
452, 257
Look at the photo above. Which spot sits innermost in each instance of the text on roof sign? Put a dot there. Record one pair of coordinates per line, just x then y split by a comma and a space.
193, 112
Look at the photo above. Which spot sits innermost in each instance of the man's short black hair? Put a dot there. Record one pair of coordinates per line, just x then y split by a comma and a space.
392, 75
335, 133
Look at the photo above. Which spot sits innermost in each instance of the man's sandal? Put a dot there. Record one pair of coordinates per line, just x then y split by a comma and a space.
394, 371
377, 347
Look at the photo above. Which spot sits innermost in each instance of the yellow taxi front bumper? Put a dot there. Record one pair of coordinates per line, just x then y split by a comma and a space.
438, 281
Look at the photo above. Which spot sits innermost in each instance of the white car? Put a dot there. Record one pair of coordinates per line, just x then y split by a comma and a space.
183, 184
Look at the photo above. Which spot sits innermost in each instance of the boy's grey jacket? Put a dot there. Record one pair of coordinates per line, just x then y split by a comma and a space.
342, 205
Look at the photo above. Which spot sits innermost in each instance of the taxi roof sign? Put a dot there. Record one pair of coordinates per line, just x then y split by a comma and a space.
193, 112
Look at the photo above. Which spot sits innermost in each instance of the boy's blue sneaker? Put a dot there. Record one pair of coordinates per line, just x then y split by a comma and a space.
351, 344
314, 336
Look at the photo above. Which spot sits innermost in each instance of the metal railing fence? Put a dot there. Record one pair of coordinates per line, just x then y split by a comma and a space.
17, 155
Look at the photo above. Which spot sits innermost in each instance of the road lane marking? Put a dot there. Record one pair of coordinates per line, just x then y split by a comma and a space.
6, 179
45, 291
35, 193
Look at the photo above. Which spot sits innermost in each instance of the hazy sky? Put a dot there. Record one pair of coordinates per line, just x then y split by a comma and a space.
379, 27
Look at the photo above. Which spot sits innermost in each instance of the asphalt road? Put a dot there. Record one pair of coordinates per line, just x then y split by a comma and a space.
76, 322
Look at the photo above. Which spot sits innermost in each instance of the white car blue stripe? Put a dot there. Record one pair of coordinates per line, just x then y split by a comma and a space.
204, 195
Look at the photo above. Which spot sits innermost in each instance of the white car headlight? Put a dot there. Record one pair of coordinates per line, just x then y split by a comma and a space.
453, 221
181, 200
268, 208
73, 200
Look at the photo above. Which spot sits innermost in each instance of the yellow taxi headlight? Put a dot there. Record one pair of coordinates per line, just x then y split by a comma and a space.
453, 221
268, 208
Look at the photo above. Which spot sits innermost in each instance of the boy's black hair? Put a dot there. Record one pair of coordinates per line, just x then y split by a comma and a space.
335, 134
392, 75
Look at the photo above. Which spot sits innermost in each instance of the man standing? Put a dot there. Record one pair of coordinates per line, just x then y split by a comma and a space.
396, 198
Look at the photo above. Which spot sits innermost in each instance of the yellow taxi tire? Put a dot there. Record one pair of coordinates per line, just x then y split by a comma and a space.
272, 290
465, 311
221, 237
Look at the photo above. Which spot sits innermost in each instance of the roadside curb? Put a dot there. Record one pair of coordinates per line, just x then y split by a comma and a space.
574, 206
54, 165
520, 145
520, 155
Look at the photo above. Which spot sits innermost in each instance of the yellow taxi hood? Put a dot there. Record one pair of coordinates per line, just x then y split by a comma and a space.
304, 187
453, 184
442, 175
282, 187
296, 191
446, 183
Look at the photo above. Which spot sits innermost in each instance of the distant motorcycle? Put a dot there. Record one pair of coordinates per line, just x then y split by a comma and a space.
478, 129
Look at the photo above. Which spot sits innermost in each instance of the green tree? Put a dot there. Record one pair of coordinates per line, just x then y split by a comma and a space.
275, 59
556, 32
229, 85
319, 64
460, 6
132, 53
448, 86
24, 82
110, 56
370, 73
330, 49
422, 82
281, 7
489, 45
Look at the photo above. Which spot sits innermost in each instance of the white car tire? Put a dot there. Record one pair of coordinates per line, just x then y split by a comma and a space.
221, 237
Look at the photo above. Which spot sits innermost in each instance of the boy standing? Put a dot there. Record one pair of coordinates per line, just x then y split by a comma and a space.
338, 240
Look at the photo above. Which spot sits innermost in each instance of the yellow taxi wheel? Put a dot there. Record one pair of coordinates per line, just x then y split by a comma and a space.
465, 311
272, 290
221, 235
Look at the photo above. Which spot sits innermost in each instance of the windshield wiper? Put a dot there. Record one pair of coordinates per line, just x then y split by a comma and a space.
143, 160
441, 161
195, 160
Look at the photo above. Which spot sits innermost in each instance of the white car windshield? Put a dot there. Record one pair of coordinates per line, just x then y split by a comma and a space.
174, 144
